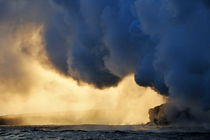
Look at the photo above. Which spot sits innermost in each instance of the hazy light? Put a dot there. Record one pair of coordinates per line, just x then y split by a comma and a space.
31, 85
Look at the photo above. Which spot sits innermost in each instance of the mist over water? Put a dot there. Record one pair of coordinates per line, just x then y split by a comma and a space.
85, 54
31, 86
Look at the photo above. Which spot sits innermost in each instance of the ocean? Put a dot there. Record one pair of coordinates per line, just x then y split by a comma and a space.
103, 132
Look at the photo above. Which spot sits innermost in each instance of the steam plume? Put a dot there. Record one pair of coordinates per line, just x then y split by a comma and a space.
165, 43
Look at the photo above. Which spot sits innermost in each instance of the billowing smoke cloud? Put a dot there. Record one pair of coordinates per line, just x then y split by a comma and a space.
98, 42
182, 51
29, 83
164, 42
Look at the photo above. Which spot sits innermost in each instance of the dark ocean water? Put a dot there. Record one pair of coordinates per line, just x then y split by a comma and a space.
96, 132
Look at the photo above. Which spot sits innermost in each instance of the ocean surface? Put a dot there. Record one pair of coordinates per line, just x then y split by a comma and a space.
103, 132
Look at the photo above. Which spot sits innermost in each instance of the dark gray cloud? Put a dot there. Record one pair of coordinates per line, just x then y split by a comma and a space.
181, 57
96, 42
180, 63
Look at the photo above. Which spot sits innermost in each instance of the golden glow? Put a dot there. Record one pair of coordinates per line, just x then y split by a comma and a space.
28, 86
